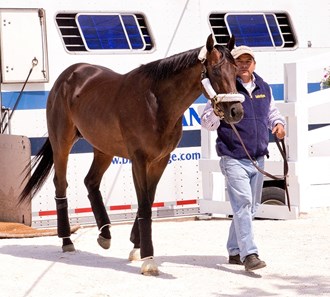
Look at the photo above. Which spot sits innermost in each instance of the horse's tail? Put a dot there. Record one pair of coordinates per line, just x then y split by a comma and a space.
44, 160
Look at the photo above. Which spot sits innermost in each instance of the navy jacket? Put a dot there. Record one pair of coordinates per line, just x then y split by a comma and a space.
253, 128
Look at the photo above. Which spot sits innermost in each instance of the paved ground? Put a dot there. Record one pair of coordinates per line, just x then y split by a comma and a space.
192, 258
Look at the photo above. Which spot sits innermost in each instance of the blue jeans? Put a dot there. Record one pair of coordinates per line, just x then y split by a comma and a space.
244, 185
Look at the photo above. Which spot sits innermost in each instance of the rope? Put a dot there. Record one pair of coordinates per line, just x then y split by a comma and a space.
284, 156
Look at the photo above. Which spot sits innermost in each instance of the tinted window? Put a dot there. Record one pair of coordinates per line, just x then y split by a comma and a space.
110, 32
257, 30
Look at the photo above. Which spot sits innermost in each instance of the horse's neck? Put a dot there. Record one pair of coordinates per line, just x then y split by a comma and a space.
179, 93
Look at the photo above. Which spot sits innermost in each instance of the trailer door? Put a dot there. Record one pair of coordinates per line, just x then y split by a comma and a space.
23, 44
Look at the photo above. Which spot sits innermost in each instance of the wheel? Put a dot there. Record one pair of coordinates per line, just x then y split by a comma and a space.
273, 196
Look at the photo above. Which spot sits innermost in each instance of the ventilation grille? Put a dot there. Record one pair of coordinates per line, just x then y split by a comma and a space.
70, 33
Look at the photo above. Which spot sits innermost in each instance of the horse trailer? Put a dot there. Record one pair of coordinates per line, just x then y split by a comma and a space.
39, 39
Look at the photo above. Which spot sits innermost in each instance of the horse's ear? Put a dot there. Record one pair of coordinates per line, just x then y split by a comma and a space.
209, 43
231, 43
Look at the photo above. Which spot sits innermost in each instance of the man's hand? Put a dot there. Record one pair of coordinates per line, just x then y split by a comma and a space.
217, 110
279, 131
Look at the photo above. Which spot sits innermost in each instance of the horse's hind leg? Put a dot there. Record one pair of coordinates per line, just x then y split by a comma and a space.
60, 182
93, 179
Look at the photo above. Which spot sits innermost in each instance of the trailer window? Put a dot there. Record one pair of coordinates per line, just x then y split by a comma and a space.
258, 30
91, 32
110, 32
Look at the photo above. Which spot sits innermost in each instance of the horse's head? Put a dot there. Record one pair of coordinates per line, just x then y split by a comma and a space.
220, 69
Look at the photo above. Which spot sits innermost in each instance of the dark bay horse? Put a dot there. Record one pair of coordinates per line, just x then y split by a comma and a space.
137, 116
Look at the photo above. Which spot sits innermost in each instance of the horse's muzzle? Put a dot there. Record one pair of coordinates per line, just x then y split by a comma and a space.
234, 113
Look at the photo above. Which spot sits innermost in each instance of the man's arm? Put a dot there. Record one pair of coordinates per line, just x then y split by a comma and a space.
209, 120
276, 122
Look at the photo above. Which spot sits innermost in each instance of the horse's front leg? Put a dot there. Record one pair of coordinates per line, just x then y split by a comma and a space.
134, 255
149, 266
145, 182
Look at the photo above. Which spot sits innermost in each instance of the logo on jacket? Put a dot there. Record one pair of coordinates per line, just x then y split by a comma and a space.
260, 96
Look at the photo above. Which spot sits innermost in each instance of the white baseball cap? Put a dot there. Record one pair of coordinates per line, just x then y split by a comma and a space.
241, 50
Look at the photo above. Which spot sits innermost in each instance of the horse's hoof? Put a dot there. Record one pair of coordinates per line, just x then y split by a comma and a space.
104, 242
134, 255
68, 248
149, 267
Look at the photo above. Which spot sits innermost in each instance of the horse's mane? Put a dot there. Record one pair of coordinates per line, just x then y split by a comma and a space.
165, 68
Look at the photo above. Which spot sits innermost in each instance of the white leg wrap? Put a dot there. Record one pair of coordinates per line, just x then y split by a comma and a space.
146, 258
104, 226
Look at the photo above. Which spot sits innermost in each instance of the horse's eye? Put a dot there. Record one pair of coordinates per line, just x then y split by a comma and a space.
216, 71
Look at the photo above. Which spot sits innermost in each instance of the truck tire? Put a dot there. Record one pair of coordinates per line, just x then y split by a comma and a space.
273, 196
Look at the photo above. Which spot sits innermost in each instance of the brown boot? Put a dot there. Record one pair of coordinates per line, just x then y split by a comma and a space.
235, 260
252, 262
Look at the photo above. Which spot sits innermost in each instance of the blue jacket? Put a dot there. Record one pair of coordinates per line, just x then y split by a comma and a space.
252, 128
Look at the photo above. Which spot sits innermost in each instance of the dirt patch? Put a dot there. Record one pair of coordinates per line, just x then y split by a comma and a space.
16, 230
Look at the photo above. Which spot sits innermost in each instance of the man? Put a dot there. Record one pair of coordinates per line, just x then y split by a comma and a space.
244, 181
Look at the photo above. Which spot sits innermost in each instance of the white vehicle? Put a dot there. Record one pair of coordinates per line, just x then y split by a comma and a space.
39, 39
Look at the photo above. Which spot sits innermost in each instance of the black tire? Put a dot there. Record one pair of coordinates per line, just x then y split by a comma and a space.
273, 196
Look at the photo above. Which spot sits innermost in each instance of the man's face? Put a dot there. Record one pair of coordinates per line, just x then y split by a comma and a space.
246, 65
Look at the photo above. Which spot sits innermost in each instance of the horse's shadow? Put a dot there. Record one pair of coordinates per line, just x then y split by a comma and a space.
88, 259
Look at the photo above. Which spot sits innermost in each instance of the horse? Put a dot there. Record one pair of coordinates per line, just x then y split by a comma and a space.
138, 116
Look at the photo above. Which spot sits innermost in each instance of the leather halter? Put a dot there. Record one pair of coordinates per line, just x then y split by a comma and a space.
213, 96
